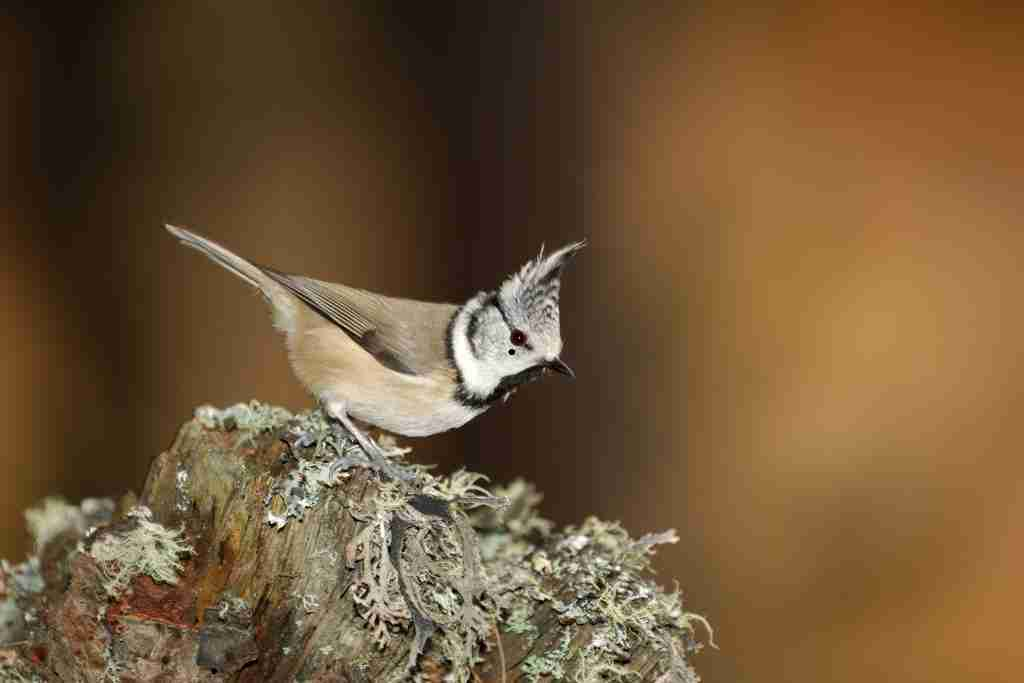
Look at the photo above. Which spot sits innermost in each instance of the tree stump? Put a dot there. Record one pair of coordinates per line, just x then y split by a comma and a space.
243, 561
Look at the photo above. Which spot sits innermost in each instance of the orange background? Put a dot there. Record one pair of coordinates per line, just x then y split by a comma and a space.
797, 329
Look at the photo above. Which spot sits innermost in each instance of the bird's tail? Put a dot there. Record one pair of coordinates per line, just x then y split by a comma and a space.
281, 302
249, 272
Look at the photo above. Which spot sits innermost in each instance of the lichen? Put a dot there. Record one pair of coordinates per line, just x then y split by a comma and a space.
417, 560
18, 583
415, 555
611, 592
12, 621
113, 670
517, 621
297, 491
51, 518
232, 607
551, 663
22, 579
55, 516
309, 602
321, 453
146, 548
677, 670
377, 591
422, 561
594, 576
183, 498
252, 416
520, 517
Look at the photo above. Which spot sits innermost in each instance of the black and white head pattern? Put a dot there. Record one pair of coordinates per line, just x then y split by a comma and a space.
504, 338
530, 298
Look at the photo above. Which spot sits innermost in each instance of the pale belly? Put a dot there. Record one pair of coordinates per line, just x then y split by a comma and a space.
412, 418
339, 372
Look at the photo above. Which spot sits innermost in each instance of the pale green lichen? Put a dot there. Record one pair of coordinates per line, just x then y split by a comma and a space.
252, 416
322, 452
55, 516
431, 578
308, 602
519, 517
518, 622
147, 549
411, 566
418, 562
51, 518
415, 555
112, 672
594, 665
677, 670
377, 591
299, 490
232, 607
12, 621
18, 583
600, 578
183, 497
612, 593
22, 579
552, 663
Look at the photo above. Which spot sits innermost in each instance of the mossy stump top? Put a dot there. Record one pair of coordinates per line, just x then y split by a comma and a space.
243, 561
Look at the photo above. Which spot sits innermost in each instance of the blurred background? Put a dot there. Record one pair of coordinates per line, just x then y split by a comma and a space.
797, 329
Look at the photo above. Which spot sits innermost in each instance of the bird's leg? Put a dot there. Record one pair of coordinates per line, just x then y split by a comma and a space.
378, 456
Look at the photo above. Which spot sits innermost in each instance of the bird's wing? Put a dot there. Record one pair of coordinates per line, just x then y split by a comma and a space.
406, 336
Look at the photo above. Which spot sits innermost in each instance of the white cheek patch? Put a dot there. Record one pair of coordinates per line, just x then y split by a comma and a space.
478, 377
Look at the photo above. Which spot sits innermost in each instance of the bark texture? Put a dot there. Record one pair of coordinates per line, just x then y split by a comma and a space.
244, 561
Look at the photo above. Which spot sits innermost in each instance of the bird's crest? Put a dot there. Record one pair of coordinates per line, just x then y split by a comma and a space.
533, 291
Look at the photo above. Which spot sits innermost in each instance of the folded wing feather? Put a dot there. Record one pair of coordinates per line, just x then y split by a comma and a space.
406, 336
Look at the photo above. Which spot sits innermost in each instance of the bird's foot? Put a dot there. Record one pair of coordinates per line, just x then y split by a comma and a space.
380, 462
372, 455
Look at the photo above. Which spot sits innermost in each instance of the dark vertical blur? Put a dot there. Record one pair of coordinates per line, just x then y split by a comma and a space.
797, 329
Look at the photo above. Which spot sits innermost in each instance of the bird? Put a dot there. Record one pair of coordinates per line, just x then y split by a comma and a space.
408, 367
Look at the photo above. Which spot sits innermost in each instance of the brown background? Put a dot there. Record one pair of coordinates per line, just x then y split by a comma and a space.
797, 330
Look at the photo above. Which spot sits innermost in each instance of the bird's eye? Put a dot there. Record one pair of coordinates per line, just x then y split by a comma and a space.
518, 337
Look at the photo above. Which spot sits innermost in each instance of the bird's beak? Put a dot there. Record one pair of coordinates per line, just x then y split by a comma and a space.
559, 366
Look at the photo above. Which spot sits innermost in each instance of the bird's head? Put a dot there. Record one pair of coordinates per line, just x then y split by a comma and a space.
506, 337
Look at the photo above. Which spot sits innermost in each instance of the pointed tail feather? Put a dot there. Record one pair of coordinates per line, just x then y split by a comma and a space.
218, 254
282, 303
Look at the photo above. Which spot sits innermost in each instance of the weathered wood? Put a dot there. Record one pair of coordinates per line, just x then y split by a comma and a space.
279, 574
